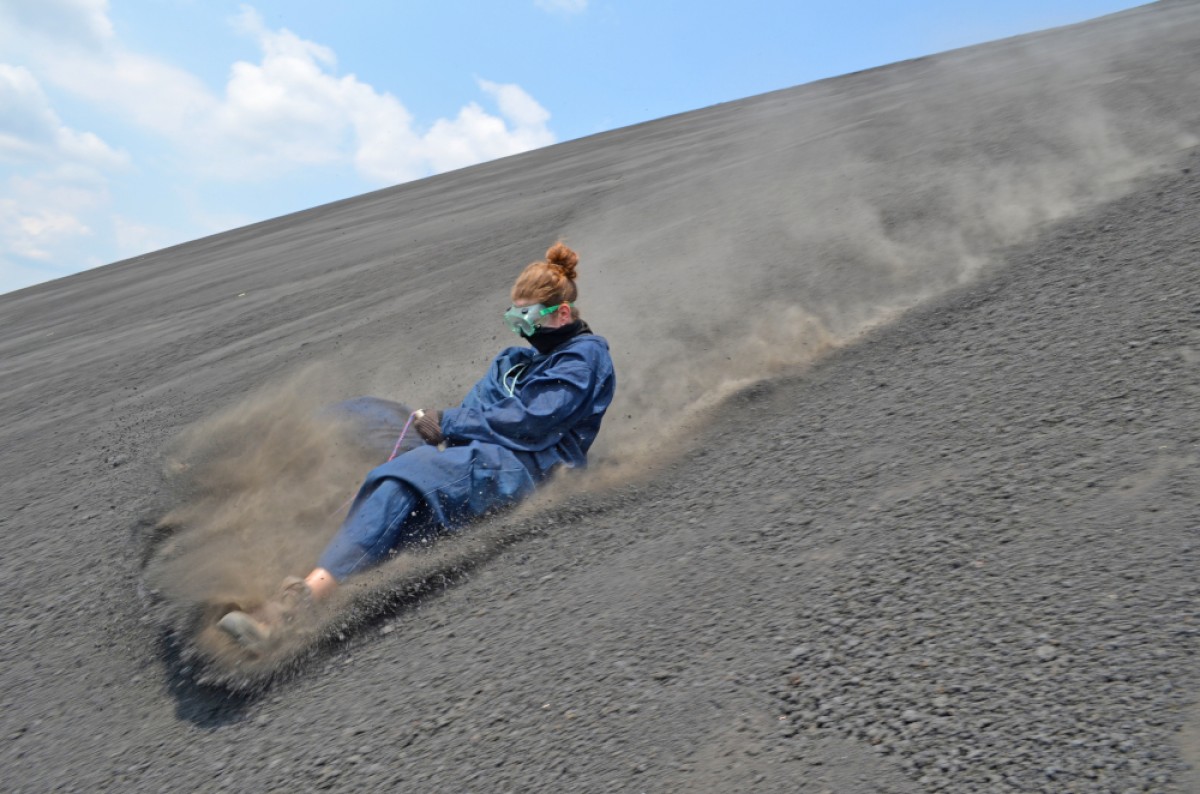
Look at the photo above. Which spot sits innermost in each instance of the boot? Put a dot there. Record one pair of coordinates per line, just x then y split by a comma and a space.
254, 630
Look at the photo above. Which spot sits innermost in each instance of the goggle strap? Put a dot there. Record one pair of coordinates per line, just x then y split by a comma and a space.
549, 309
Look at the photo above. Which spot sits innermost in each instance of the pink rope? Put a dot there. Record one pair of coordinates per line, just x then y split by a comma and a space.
400, 440
395, 451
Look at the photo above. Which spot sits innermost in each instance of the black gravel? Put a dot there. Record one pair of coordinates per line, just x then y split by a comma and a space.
957, 555
1011, 480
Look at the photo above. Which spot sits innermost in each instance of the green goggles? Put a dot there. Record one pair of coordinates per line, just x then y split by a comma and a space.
525, 320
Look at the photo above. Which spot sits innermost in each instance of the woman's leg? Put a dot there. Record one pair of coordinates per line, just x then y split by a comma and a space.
448, 488
380, 519
320, 583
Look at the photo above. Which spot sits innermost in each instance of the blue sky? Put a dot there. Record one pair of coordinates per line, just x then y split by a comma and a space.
130, 125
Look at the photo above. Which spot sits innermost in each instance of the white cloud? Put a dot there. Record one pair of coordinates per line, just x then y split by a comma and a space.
562, 6
33, 233
30, 130
475, 136
82, 23
43, 215
153, 94
291, 109
56, 190
516, 105
71, 44
288, 109
387, 148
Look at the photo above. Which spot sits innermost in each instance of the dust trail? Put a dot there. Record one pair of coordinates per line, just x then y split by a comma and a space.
259, 488
717, 264
212, 659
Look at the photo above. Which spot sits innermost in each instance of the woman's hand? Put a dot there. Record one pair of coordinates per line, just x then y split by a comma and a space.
429, 425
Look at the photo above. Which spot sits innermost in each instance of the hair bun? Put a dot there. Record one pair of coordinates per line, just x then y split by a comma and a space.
563, 258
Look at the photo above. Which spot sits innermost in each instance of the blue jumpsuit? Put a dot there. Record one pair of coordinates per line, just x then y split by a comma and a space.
529, 414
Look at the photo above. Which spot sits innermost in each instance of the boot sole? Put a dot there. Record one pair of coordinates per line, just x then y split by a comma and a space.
245, 631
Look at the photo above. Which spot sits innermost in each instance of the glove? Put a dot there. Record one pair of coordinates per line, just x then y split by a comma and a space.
429, 425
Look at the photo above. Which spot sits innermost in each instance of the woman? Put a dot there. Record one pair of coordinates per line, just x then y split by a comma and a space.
536, 409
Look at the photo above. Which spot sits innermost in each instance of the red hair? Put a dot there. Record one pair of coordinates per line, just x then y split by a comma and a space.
550, 281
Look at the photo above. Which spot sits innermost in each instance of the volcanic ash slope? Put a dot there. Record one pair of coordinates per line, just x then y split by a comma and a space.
942, 536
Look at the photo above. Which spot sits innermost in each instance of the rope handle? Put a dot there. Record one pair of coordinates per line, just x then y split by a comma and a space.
403, 433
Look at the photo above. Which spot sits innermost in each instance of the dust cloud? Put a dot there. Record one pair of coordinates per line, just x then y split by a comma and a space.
739, 258
258, 489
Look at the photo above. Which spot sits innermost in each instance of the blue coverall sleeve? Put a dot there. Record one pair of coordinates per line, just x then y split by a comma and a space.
545, 407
